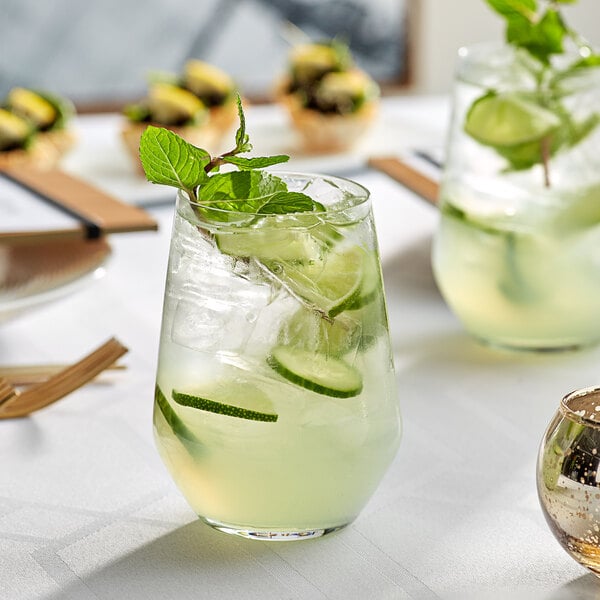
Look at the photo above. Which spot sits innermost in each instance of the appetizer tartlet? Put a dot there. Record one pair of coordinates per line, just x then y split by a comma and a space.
33, 128
48, 114
170, 106
198, 105
216, 89
331, 103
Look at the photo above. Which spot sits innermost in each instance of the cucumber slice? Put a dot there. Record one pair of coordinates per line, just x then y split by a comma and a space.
180, 429
316, 372
222, 408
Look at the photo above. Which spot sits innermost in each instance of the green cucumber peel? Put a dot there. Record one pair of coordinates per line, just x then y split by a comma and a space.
200, 403
179, 428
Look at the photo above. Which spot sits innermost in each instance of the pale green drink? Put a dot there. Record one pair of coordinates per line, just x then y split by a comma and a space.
276, 409
517, 252
525, 280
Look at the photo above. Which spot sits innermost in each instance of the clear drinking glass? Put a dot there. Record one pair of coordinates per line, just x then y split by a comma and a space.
517, 252
276, 408
568, 476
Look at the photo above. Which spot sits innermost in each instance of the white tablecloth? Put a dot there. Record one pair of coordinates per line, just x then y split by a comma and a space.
87, 510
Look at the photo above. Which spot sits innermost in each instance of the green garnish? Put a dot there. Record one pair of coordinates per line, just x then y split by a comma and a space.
167, 159
180, 429
227, 409
537, 29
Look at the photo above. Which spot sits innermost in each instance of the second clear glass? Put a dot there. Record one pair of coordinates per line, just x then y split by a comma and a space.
517, 252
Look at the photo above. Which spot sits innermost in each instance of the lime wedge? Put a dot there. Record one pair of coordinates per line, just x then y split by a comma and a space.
316, 372
508, 120
246, 397
331, 284
370, 283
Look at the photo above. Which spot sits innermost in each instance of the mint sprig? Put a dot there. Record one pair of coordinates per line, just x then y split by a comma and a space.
540, 33
538, 30
168, 159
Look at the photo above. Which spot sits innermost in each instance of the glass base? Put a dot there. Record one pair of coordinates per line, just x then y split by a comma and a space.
540, 348
272, 535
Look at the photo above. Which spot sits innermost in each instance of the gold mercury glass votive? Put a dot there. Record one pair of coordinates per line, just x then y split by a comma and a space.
568, 476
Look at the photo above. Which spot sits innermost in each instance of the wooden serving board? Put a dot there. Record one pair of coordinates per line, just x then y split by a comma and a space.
45, 204
411, 177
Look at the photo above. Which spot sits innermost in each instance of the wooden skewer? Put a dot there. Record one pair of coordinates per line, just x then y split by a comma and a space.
20, 404
28, 374
408, 176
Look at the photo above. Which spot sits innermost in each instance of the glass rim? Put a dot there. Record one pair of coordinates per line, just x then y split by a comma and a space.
584, 414
472, 49
496, 55
360, 196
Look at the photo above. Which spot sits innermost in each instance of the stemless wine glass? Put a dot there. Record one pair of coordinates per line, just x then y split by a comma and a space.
516, 254
568, 476
276, 409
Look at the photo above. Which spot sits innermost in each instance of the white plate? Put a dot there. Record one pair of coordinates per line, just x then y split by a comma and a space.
38, 273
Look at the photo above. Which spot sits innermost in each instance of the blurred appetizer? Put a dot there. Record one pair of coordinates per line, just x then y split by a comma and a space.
331, 103
34, 128
199, 106
166, 105
217, 91
48, 114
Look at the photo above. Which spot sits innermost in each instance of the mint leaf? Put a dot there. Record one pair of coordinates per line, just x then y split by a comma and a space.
242, 139
538, 28
513, 9
169, 160
547, 36
240, 186
541, 34
589, 61
237, 191
281, 203
258, 162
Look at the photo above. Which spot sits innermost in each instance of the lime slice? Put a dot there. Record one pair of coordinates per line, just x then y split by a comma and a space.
270, 244
245, 396
331, 284
508, 120
308, 330
370, 283
317, 372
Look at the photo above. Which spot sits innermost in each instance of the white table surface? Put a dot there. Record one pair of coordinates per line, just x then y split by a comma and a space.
87, 510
